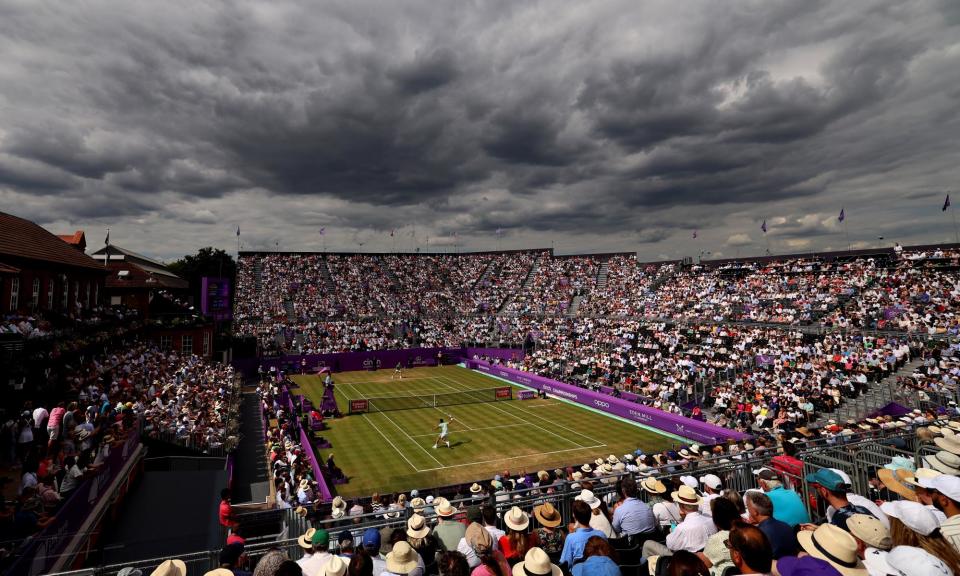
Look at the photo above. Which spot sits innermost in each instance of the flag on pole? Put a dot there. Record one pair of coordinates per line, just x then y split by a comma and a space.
238, 231
764, 226
946, 204
694, 233
392, 230
842, 216
323, 230
499, 231
107, 239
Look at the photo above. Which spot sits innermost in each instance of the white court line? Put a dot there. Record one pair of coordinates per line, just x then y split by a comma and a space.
515, 457
515, 417
395, 449
405, 434
558, 425
434, 434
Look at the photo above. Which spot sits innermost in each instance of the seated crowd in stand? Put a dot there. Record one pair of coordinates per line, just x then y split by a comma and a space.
135, 389
683, 513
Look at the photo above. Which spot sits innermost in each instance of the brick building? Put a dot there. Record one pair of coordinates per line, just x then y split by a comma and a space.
39, 272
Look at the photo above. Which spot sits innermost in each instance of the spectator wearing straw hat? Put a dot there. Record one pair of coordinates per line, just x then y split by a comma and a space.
518, 539
319, 556
946, 498
537, 562
172, 567
421, 540
402, 560
337, 566
691, 534
836, 546
448, 531
666, 511
873, 543
549, 533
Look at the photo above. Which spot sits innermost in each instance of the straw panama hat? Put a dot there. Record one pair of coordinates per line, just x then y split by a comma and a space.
417, 527
516, 519
475, 488
335, 566
653, 486
913, 478
339, 507
173, 567
836, 546
418, 504
445, 510
686, 495
950, 444
306, 539
547, 515
536, 563
870, 530
891, 480
943, 461
218, 572
402, 559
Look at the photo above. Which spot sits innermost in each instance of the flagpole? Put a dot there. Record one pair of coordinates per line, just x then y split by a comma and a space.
846, 233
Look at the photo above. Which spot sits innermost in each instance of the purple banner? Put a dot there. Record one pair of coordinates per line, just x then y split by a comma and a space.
42, 552
700, 432
315, 466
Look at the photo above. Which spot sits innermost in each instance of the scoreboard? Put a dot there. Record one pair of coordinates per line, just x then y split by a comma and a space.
216, 298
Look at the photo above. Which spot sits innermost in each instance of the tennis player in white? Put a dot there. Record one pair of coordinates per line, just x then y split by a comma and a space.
443, 433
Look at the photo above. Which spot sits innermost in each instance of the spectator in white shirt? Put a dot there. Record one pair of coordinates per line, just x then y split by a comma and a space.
691, 534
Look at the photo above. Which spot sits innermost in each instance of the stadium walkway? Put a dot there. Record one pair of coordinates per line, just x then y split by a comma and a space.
250, 481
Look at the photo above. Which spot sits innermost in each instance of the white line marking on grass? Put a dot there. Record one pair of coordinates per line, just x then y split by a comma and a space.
385, 415
555, 424
515, 457
395, 449
434, 434
515, 417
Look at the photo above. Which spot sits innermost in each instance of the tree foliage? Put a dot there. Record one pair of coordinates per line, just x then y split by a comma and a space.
207, 261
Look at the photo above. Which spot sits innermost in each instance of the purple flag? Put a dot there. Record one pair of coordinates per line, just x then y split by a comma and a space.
764, 226
694, 233
841, 216
946, 203
323, 230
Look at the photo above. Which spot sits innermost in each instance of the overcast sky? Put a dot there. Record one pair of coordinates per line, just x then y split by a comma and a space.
592, 126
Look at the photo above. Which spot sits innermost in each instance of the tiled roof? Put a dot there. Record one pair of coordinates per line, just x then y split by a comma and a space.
74, 238
137, 277
24, 239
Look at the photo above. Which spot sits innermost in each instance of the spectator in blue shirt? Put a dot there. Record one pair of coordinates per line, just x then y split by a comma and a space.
787, 505
577, 539
781, 536
632, 516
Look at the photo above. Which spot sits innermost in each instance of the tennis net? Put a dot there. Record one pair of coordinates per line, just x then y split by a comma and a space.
389, 403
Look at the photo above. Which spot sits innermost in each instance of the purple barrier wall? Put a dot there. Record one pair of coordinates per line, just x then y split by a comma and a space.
695, 430
315, 466
504, 354
41, 552
348, 361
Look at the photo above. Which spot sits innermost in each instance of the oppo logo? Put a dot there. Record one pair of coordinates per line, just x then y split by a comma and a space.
601, 404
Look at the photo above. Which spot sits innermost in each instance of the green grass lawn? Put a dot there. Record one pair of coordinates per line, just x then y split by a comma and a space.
393, 451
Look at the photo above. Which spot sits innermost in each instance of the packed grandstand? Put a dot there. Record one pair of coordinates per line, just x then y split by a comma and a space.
838, 370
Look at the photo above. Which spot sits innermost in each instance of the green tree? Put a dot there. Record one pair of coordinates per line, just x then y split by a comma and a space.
207, 261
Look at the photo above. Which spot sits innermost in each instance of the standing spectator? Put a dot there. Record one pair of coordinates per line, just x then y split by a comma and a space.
227, 519
54, 424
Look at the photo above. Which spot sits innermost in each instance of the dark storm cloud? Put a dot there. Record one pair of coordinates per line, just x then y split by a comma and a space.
616, 119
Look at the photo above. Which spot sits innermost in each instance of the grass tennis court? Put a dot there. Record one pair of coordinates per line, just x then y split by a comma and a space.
393, 451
